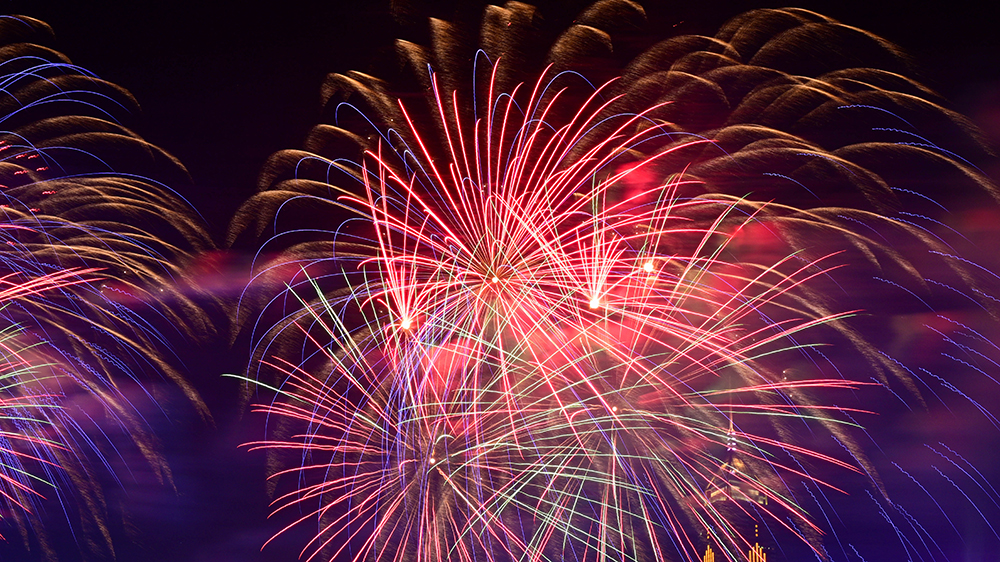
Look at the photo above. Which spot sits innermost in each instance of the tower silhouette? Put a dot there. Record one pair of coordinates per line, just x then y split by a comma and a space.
735, 499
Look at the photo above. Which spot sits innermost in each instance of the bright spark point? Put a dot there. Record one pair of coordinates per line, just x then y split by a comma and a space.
614, 408
648, 266
595, 302
406, 324
495, 279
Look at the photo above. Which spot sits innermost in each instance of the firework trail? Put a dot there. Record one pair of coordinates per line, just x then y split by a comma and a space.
562, 321
95, 298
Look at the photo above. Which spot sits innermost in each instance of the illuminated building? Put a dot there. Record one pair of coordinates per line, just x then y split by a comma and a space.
728, 490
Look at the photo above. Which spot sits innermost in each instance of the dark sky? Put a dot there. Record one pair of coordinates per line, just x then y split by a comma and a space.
222, 86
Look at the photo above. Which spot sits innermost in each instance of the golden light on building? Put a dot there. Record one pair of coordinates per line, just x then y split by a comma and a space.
730, 485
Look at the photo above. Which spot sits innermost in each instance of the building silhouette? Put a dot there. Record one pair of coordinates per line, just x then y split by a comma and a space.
736, 500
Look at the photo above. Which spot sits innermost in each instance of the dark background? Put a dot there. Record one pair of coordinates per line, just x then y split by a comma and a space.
223, 85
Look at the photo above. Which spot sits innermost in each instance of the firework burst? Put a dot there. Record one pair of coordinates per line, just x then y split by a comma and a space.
567, 322
94, 296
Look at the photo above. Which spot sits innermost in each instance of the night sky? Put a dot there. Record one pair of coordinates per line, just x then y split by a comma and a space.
222, 86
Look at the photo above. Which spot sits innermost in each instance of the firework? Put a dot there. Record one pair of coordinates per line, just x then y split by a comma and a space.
567, 322
95, 295
28, 425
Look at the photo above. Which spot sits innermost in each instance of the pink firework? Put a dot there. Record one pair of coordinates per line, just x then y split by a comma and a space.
562, 322
31, 436
550, 366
